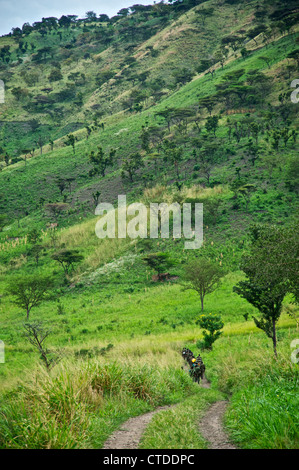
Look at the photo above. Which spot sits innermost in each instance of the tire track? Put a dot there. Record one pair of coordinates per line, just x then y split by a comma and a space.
211, 427
129, 435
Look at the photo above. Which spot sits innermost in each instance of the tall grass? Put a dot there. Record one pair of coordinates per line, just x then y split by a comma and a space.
162, 193
265, 415
78, 402
264, 390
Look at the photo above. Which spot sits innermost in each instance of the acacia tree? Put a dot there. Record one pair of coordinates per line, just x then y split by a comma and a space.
173, 155
55, 209
212, 124
36, 333
159, 262
203, 276
246, 191
207, 159
205, 13
29, 292
101, 161
131, 165
271, 269
71, 141
208, 102
67, 259
34, 236
3, 221
266, 59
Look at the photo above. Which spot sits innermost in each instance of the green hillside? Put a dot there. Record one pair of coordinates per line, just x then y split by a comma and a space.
180, 102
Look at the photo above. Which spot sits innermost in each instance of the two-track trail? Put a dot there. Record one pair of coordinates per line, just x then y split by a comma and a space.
129, 435
211, 427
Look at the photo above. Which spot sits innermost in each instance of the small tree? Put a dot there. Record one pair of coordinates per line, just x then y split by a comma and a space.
271, 269
203, 276
246, 191
212, 124
40, 143
101, 161
29, 292
61, 183
55, 76
173, 155
36, 334
36, 251
212, 326
3, 221
212, 206
96, 197
56, 209
131, 165
160, 262
71, 141
67, 259
52, 231
34, 236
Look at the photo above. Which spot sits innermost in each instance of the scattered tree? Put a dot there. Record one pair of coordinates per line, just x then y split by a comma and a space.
212, 326
56, 209
101, 161
160, 262
271, 269
36, 333
34, 236
71, 141
131, 165
29, 292
67, 259
203, 276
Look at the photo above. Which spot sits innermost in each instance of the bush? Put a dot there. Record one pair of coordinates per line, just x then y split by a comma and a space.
212, 324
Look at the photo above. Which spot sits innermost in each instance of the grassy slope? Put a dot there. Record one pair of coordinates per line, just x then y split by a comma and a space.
43, 171
38, 178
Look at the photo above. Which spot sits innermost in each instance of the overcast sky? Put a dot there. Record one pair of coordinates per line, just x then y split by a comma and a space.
14, 13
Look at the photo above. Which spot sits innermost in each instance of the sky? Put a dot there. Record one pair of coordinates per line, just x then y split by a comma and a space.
14, 13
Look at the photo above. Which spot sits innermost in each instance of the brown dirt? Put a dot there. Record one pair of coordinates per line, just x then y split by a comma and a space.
204, 383
129, 435
211, 427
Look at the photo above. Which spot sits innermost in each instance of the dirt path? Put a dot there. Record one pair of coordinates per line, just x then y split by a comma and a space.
204, 383
129, 435
211, 427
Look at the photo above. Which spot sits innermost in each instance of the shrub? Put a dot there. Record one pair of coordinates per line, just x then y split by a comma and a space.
212, 324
